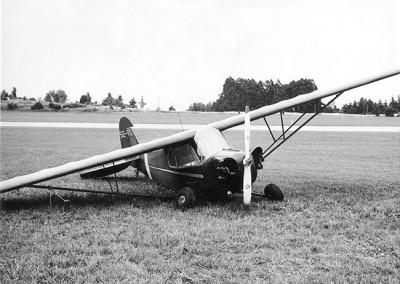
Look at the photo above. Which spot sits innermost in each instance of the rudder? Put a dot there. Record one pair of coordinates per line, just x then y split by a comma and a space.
126, 134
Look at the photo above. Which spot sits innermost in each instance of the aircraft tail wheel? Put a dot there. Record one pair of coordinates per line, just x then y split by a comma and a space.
273, 192
185, 198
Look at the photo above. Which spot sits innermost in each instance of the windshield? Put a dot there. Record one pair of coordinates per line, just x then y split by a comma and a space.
182, 157
209, 141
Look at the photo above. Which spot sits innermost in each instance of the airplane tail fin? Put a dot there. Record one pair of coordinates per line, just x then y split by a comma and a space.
126, 135
128, 139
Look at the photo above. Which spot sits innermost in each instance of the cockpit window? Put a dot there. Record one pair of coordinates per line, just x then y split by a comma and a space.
183, 157
209, 141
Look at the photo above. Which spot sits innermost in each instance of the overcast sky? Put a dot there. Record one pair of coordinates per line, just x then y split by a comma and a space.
181, 51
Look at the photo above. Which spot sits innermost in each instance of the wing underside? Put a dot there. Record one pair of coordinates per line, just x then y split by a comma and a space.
107, 169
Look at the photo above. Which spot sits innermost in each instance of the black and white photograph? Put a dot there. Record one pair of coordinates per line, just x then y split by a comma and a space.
188, 141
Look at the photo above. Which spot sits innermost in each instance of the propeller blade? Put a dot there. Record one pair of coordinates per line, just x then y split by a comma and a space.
247, 160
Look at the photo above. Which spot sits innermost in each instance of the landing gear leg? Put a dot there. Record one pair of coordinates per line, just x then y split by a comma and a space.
273, 192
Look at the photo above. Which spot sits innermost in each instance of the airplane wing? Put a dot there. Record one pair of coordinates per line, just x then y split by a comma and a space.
108, 169
98, 160
121, 154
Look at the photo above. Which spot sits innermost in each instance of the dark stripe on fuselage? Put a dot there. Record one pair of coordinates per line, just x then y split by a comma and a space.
155, 166
178, 173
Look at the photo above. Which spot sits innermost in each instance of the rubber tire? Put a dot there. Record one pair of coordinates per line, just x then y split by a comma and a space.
185, 198
273, 192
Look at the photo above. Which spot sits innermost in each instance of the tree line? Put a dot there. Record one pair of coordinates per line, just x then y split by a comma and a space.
111, 101
236, 94
367, 106
5, 95
60, 97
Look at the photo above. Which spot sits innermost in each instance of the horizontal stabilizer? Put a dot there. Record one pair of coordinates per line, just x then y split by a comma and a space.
107, 169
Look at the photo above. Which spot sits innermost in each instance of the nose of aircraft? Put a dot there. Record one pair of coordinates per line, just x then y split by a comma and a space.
230, 164
226, 168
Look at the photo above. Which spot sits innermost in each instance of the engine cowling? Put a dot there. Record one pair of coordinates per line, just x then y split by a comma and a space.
226, 168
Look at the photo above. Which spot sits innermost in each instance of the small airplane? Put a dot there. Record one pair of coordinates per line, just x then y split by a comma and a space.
203, 166
196, 163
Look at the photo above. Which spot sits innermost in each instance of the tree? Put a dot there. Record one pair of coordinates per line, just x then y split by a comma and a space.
49, 96
390, 111
58, 97
351, 108
89, 97
4, 95
236, 94
85, 99
200, 107
109, 100
13, 94
381, 107
370, 106
171, 108
119, 101
376, 110
332, 108
296, 88
362, 106
142, 103
132, 103
395, 104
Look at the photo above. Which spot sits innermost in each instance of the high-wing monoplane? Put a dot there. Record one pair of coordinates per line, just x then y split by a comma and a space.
197, 162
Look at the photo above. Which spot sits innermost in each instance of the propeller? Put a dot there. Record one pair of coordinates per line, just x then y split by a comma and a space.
247, 160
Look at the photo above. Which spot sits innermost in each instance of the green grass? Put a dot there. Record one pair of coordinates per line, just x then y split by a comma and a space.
340, 221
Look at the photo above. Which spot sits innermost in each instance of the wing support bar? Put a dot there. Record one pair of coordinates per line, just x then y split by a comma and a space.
284, 137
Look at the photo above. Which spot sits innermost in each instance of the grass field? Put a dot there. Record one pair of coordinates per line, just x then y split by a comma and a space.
190, 118
340, 221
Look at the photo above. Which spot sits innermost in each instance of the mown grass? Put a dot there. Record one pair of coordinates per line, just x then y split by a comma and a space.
190, 118
340, 221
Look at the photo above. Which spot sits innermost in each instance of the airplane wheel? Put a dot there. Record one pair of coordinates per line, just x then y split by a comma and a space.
273, 192
186, 198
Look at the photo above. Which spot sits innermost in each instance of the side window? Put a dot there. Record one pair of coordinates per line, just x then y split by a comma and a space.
183, 157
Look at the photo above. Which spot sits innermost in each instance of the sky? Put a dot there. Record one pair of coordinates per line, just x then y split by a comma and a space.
176, 52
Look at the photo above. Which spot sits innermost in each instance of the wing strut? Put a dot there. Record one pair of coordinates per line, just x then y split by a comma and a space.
283, 138
52, 188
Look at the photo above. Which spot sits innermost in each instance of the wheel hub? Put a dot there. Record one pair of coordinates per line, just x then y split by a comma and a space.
182, 199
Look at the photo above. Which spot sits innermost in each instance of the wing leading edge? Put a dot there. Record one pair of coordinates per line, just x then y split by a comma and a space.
98, 160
